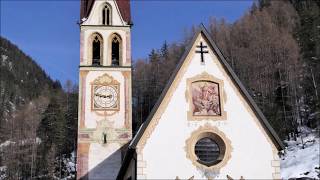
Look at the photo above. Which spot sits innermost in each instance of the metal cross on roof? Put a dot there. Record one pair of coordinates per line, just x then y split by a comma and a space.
202, 51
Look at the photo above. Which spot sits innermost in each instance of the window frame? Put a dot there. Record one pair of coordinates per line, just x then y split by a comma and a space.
90, 52
222, 97
120, 49
104, 18
219, 137
221, 150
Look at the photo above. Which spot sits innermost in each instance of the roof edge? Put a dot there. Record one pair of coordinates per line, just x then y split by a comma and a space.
123, 7
264, 122
143, 127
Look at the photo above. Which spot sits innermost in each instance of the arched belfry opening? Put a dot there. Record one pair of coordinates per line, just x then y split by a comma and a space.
97, 45
106, 15
115, 50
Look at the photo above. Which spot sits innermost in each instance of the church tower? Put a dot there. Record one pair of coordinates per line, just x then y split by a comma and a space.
104, 121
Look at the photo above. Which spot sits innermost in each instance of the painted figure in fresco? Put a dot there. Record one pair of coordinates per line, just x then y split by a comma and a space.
205, 98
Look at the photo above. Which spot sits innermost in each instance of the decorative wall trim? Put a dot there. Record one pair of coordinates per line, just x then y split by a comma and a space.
85, 135
230, 178
82, 160
205, 77
191, 178
104, 27
82, 47
127, 93
141, 167
82, 104
102, 68
275, 163
105, 80
205, 131
128, 49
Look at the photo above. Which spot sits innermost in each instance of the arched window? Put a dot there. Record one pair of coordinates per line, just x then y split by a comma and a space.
97, 50
106, 15
115, 50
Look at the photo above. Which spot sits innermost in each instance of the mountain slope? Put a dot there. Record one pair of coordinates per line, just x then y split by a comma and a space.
38, 119
21, 80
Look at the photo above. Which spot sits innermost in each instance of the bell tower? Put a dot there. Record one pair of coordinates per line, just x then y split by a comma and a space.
104, 121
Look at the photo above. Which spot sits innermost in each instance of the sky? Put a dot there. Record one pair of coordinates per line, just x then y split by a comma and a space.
47, 30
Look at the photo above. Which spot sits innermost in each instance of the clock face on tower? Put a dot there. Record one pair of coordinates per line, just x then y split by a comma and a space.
105, 94
105, 97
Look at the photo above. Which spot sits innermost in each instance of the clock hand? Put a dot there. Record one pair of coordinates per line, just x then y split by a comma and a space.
100, 95
104, 96
109, 96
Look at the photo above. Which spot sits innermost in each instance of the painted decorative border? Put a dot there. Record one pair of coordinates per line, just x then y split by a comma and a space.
105, 80
205, 77
205, 131
82, 98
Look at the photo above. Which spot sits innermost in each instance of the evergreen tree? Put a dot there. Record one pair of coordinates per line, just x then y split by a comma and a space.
307, 35
52, 133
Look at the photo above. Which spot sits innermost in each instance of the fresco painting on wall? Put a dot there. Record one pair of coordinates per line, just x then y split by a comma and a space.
205, 98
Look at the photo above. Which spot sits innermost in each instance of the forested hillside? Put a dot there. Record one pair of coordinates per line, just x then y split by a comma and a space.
38, 118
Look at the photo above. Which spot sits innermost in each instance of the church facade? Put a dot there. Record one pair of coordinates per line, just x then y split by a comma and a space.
205, 125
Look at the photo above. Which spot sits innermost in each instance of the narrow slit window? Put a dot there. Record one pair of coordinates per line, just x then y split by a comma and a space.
104, 138
106, 15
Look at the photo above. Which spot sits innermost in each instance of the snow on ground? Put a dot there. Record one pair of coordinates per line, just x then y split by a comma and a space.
71, 166
3, 172
302, 162
5, 144
4, 58
21, 142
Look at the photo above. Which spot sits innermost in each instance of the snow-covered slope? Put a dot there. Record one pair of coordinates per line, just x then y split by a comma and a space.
302, 157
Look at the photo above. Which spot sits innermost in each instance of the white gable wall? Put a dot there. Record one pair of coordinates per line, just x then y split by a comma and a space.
95, 17
164, 152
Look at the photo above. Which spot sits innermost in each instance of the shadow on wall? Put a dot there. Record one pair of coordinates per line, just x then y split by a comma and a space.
109, 168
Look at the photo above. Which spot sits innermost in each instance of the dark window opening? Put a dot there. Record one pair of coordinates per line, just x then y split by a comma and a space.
207, 151
115, 52
103, 16
108, 16
104, 138
96, 55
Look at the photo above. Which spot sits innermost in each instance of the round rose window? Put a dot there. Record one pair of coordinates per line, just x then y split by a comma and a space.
208, 151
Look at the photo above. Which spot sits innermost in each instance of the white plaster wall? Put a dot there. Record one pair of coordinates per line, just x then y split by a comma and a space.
165, 153
95, 17
91, 117
106, 34
105, 161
